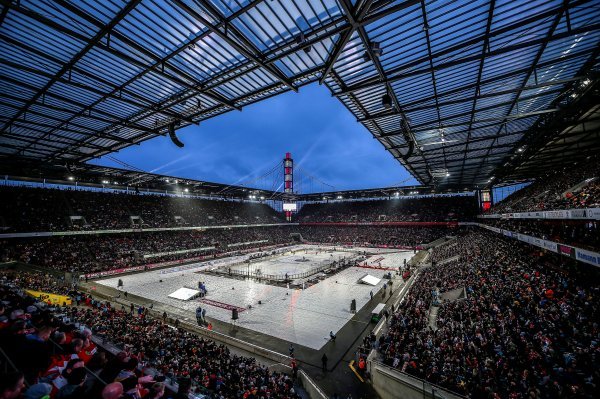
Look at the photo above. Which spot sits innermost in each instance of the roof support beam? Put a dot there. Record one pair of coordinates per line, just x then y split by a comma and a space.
78, 85
403, 123
28, 140
52, 95
59, 139
335, 53
440, 157
476, 140
54, 25
489, 95
85, 129
273, 70
433, 80
396, 73
160, 63
72, 111
268, 89
66, 67
21, 150
501, 93
376, 16
538, 55
484, 50
115, 93
498, 119
466, 113
362, 8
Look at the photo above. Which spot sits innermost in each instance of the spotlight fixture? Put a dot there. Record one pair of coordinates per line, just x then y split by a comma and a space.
71, 178
376, 49
447, 174
300, 40
386, 101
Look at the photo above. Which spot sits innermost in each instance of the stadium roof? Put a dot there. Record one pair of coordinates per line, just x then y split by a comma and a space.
88, 175
571, 136
466, 80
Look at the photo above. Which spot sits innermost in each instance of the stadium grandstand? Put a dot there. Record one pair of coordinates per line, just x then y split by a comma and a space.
475, 276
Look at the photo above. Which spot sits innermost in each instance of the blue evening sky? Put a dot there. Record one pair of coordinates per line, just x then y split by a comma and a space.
324, 138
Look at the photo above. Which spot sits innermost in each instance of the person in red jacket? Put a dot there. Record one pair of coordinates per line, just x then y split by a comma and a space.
362, 365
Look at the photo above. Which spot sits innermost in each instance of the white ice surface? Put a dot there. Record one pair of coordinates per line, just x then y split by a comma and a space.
393, 260
183, 294
371, 280
301, 316
289, 262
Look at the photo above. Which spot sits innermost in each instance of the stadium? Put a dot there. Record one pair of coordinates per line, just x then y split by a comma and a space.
299, 199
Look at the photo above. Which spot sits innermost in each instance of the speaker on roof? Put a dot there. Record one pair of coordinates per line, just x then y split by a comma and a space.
386, 101
173, 137
234, 314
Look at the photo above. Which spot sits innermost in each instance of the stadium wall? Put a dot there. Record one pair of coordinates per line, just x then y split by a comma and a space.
393, 384
582, 255
118, 231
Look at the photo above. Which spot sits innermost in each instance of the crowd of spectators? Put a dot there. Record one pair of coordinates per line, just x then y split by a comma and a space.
551, 192
93, 253
528, 327
39, 281
27, 209
100, 252
35, 209
417, 209
447, 250
581, 234
51, 349
372, 235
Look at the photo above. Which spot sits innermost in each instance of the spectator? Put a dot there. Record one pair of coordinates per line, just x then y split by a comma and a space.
11, 385
114, 390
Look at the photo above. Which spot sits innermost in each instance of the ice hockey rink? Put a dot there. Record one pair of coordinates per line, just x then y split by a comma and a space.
296, 261
302, 316
389, 260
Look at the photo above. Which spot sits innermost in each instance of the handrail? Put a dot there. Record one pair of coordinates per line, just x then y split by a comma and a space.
317, 393
10, 362
261, 351
407, 378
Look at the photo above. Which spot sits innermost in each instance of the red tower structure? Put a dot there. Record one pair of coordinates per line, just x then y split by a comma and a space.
288, 181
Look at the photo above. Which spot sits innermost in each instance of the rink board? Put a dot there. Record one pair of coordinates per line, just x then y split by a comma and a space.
300, 316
